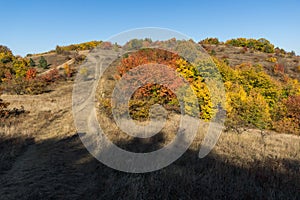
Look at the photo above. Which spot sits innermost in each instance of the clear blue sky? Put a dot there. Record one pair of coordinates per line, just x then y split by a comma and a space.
38, 26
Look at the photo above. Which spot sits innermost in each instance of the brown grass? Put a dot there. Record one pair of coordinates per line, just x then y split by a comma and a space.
48, 161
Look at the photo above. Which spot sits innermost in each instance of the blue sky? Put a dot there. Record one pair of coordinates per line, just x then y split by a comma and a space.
38, 26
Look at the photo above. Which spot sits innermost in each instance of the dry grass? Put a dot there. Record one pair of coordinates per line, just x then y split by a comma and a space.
53, 163
237, 56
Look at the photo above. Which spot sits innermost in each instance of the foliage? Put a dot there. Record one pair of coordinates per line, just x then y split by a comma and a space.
30, 74
77, 47
31, 63
20, 67
246, 109
260, 44
6, 55
288, 116
137, 44
69, 71
5, 49
253, 98
18, 76
210, 41
3, 108
279, 51
52, 76
43, 63
278, 68
154, 93
30, 83
59, 50
271, 59
256, 99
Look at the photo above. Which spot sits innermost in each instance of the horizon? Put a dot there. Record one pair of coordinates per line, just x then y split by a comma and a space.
37, 26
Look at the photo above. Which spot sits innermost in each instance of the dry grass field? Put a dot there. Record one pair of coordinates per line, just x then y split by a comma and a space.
42, 157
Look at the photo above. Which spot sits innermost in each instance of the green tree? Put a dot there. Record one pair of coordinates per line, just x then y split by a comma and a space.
43, 63
32, 63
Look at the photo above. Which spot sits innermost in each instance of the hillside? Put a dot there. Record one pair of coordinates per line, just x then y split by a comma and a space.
238, 55
42, 156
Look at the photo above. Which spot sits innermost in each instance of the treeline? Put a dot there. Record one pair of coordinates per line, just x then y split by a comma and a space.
77, 47
261, 44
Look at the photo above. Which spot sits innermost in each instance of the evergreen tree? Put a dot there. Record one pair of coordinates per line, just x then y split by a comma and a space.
43, 63
32, 63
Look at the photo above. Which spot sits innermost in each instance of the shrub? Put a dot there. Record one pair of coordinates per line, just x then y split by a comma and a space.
77, 47
214, 41
20, 67
288, 116
260, 44
3, 108
31, 74
59, 50
5, 49
246, 110
52, 76
154, 93
43, 63
278, 68
213, 52
271, 59
31, 63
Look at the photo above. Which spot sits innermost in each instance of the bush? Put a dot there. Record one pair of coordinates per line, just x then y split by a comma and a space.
59, 50
214, 41
20, 67
31, 63
43, 63
245, 110
271, 59
77, 47
260, 44
278, 68
288, 116
3, 108
50, 77
154, 93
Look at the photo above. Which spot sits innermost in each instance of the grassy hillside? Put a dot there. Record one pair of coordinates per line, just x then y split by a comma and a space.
42, 157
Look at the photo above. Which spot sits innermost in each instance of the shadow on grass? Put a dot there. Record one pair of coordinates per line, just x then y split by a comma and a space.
63, 169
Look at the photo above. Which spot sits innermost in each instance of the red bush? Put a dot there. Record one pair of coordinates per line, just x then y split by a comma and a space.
51, 76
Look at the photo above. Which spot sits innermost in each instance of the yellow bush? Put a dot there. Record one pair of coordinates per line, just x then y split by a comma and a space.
271, 59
